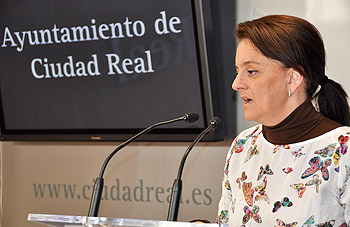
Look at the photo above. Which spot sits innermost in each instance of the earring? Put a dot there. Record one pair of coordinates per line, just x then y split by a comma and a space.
289, 93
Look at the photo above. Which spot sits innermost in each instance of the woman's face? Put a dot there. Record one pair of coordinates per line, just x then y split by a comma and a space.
262, 84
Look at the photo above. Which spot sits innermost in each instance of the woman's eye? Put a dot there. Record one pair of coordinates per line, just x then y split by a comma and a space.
252, 72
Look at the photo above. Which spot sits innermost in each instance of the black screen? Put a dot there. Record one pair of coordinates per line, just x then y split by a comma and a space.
108, 66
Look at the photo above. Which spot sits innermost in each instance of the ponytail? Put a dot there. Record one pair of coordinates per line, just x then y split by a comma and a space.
332, 101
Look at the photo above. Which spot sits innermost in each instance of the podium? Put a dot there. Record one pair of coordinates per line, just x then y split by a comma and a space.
73, 221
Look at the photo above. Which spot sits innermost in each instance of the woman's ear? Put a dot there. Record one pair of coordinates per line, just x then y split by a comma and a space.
295, 81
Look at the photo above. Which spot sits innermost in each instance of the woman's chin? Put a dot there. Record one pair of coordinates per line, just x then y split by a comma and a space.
249, 117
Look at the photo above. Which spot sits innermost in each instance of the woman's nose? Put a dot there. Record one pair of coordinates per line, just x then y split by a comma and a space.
238, 84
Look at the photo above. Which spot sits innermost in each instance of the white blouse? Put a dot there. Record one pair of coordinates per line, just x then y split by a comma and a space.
300, 184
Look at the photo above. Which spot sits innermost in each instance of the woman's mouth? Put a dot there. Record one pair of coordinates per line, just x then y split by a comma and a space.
246, 100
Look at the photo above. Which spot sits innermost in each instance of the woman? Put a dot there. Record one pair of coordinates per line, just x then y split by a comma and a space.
293, 169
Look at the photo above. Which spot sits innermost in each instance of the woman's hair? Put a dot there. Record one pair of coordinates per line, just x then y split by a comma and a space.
297, 44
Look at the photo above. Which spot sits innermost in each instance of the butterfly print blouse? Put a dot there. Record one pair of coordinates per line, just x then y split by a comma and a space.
302, 184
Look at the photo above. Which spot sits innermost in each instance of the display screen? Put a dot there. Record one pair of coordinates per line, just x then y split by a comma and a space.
89, 67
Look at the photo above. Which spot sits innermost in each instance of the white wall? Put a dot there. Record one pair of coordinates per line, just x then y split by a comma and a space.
145, 172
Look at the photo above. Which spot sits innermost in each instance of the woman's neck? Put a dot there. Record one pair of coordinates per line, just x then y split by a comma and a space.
302, 124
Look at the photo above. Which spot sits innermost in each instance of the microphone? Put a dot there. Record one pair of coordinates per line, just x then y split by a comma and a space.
177, 185
98, 186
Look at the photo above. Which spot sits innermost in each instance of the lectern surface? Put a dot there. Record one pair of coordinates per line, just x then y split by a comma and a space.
68, 221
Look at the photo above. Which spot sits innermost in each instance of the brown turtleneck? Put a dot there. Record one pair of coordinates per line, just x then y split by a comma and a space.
302, 124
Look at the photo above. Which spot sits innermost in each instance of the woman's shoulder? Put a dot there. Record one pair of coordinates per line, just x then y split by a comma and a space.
336, 134
247, 134
341, 129
333, 136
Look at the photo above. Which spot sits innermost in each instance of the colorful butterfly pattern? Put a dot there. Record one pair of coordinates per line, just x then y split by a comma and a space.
284, 203
336, 158
341, 150
248, 193
233, 205
252, 134
281, 223
315, 165
278, 147
309, 221
298, 153
327, 151
227, 166
251, 152
315, 181
223, 217
340, 202
287, 170
227, 185
326, 224
241, 179
261, 194
239, 143
267, 170
300, 188
251, 214
255, 137
343, 140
